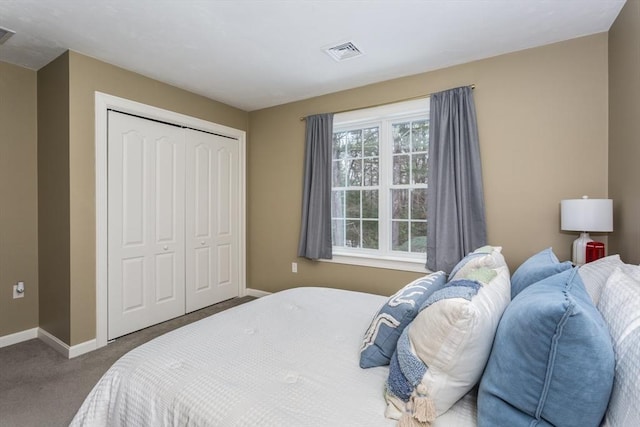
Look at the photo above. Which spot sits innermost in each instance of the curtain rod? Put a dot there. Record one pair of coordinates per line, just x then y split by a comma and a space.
473, 86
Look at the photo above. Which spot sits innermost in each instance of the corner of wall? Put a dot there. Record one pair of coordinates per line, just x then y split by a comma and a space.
53, 197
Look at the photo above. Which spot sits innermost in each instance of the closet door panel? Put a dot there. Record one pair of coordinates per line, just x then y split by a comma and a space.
225, 203
211, 229
202, 187
133, 281
228, 214
146, 223
225, 264
202, 270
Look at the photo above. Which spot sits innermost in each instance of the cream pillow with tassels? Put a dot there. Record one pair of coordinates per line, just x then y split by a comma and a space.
441, 355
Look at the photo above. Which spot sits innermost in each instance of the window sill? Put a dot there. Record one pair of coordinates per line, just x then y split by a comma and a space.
387, 263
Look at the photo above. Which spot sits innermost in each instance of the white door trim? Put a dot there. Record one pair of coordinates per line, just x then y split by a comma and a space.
104, 102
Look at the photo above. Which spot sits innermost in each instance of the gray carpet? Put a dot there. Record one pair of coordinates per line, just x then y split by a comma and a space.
40, 387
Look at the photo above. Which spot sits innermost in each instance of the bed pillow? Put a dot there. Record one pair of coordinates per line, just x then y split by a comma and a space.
620, 308
594, 275
552, 361
538, 267
486, 256
442, 353
397, 312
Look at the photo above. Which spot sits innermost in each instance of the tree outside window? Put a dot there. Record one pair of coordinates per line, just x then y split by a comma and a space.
379, 186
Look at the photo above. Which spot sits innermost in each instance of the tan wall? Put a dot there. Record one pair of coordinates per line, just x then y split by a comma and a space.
542, 118
624, 131
87, 75
18, 198
53, 196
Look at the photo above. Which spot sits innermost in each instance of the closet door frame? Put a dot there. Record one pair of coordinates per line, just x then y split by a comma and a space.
105, 102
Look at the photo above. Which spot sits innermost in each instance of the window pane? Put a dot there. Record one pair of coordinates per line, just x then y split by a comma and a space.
401, 138
337, 232
353, 204
339, 145
400, 169
399, 204
355, 143
420, 136
399, 144
354, 174
370, 234
371, 138
419, 168
337, 204
400, 236
370, 204
419, 203
338, 173
418, 237
370, 173
352, 234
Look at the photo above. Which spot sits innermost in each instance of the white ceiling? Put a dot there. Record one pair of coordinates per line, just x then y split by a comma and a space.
254, 54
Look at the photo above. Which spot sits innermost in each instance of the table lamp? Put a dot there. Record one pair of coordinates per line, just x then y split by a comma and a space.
585, 215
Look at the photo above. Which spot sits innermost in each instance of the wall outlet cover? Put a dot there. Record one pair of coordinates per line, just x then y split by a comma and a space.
17, 294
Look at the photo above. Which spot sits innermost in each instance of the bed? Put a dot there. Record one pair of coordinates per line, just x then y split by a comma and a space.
287, 359
473, 349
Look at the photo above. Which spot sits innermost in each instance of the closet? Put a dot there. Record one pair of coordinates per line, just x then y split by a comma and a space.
173, 221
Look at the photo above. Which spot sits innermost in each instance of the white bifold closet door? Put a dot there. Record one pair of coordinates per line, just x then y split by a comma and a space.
172, 221
146, 216
212, 241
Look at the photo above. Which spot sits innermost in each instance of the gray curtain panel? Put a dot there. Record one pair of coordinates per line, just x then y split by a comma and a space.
315, 231
455, 201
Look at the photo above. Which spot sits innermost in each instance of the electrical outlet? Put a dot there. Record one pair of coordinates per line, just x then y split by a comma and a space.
294, 267
18, 290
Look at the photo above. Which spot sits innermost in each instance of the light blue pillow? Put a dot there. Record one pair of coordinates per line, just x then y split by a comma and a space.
552, 361
387, 325
540, 266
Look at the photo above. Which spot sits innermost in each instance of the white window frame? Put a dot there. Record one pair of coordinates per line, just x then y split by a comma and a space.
410, 110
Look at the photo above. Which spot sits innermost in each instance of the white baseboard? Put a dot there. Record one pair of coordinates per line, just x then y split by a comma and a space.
18, 337
63, 348
256, 293
53, 342
82, 348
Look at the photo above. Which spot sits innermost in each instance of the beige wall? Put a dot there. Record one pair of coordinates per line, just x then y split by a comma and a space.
87, 75
624, 131
542, 118
53, 196
18, 198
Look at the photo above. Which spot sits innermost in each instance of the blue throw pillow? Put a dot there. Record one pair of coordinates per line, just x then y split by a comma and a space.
540, 266
552, 361
400, 309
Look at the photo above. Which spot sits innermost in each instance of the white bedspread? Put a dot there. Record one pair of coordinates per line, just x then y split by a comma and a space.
288, 359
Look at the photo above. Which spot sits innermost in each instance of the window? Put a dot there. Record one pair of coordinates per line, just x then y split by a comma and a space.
379, 186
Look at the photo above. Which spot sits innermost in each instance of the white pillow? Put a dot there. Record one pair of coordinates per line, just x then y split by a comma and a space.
620, 308
632, 271
594, 275
486, 256
453, 338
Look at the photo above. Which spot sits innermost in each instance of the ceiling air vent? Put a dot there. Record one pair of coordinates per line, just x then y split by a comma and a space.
343, 51
5, 34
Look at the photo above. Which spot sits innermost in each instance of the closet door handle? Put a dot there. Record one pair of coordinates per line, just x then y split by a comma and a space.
202, 243
165, 248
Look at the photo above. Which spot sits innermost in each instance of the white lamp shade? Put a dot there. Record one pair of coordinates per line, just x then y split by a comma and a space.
586, 215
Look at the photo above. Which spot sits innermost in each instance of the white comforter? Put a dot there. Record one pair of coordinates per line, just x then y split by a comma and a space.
288, 359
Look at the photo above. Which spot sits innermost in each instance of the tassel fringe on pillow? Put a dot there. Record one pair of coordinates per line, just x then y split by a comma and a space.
421, 410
